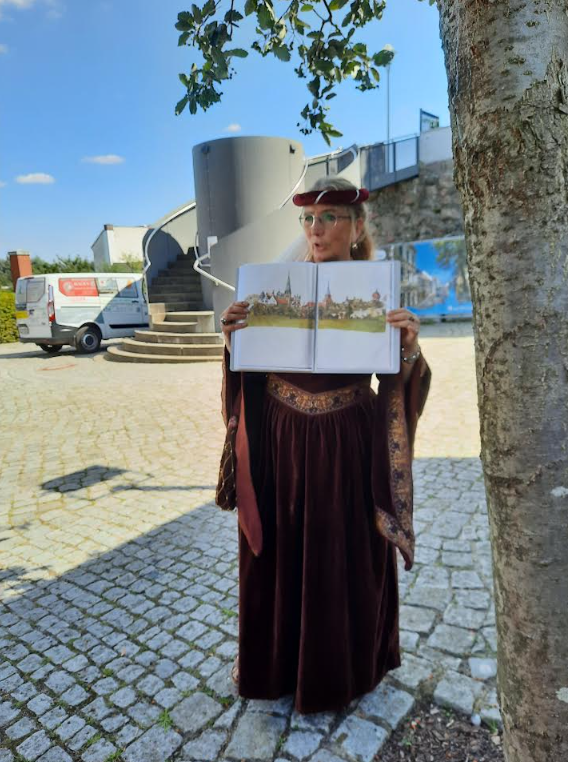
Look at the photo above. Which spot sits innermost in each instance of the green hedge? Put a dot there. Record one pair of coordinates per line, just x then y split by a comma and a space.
8, 330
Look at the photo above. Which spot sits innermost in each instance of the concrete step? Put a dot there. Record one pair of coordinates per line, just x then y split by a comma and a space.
117, 354
205, 320
162, 325
168, 337
156, 348
180, 306
177, 295
175, 279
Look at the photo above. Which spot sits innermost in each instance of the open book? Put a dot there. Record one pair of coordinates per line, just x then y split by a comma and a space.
318, 318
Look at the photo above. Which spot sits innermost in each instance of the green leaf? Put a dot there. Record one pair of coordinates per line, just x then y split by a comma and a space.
306, 8
183, 79
250, 7
264, 17
281, 53
238, 52
232, 16
181, 105
383, 57
183, 38
335, 5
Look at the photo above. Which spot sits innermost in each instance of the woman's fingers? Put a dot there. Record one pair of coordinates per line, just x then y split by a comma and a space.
234, 317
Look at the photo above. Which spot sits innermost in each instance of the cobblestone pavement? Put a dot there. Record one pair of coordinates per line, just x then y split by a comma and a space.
118, 587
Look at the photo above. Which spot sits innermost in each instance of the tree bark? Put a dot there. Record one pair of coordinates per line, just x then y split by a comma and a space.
508, 90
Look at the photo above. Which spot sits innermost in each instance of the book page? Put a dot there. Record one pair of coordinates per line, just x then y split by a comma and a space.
353, 335
281, 321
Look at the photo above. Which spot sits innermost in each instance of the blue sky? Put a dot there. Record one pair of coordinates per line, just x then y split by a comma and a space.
98, 78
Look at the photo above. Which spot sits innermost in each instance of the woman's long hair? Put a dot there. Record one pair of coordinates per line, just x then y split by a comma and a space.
363, 247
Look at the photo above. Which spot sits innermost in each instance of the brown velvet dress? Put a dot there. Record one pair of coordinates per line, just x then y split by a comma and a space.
318, 600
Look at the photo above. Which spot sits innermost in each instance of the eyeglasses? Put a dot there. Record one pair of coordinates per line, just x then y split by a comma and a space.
327, 219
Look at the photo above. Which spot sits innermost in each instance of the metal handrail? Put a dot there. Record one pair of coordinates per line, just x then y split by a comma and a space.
198, 269
147, 260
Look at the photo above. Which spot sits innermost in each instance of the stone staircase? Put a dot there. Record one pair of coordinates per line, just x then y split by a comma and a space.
180, 329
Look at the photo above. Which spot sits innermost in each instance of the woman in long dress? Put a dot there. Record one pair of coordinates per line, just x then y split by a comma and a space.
324, 495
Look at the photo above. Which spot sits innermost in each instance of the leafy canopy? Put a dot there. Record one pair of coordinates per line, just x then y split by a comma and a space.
321, 34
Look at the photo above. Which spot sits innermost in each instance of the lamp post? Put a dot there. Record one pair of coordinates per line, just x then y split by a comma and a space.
388, 161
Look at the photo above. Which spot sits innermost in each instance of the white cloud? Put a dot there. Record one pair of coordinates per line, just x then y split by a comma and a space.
54, 7
233, 127
3, 48
109, 158
35, 178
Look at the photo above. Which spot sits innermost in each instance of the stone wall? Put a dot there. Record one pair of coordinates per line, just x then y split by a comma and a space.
428, 206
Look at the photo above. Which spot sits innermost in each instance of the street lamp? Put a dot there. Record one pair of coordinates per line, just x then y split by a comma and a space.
390, 49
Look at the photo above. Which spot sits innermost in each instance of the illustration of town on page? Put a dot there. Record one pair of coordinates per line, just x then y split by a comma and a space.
318, 318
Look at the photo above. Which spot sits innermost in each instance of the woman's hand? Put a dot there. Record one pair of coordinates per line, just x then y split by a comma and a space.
409, 326
233, 319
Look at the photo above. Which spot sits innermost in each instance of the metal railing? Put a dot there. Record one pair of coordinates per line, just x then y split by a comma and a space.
147, 261
383, 164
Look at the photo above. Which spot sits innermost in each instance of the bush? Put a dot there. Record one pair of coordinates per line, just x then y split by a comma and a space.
8, 330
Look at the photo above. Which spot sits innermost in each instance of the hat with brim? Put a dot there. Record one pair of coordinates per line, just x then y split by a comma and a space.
335, 197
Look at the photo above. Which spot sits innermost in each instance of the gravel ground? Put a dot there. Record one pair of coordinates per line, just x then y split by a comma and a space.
432, 734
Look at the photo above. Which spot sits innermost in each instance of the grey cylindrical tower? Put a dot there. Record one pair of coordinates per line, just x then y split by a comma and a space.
241, 180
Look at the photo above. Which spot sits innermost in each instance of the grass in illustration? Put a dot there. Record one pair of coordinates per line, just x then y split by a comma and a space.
280, 309
353, 313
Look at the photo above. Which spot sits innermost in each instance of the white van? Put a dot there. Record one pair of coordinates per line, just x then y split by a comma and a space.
79, 309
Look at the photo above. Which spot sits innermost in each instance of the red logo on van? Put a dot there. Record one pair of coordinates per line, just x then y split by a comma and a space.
78, 286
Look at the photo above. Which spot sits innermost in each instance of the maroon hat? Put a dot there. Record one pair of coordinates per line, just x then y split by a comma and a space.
339, 197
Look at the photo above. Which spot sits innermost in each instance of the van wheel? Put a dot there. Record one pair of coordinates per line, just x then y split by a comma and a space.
87, 339
51, 349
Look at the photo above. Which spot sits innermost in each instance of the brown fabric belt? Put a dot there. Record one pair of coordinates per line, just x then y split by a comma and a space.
319, 402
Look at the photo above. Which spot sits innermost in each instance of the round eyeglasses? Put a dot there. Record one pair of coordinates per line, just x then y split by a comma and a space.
327, 219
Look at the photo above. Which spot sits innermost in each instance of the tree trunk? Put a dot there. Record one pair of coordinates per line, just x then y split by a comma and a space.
508, 91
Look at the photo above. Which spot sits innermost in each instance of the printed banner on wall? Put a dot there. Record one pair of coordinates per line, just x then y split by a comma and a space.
434, 278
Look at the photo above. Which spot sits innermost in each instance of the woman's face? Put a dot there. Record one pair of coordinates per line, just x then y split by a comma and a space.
329, 241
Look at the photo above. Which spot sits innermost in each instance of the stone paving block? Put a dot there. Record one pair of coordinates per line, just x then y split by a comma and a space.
473, 599
75, 695
388, 704
282, 706
123, 697
143, 714
8, 713
482, 669
457, 691
225, 720
455, 640
53, 718
156, 744
438, 658
168, 697
55, 754
127, 734
466, 580
97, 709
79, 740
76, 663
194, 712
489, 710
301, 744
256, 736
490, 635
70, 727
409, 640
206, 747
99, 751
34, 746
472, 619
413, 671
150, 685
113, 722
23, 727
30, 663
359, 738
40, 704
416, 618
184, 681
326, 756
